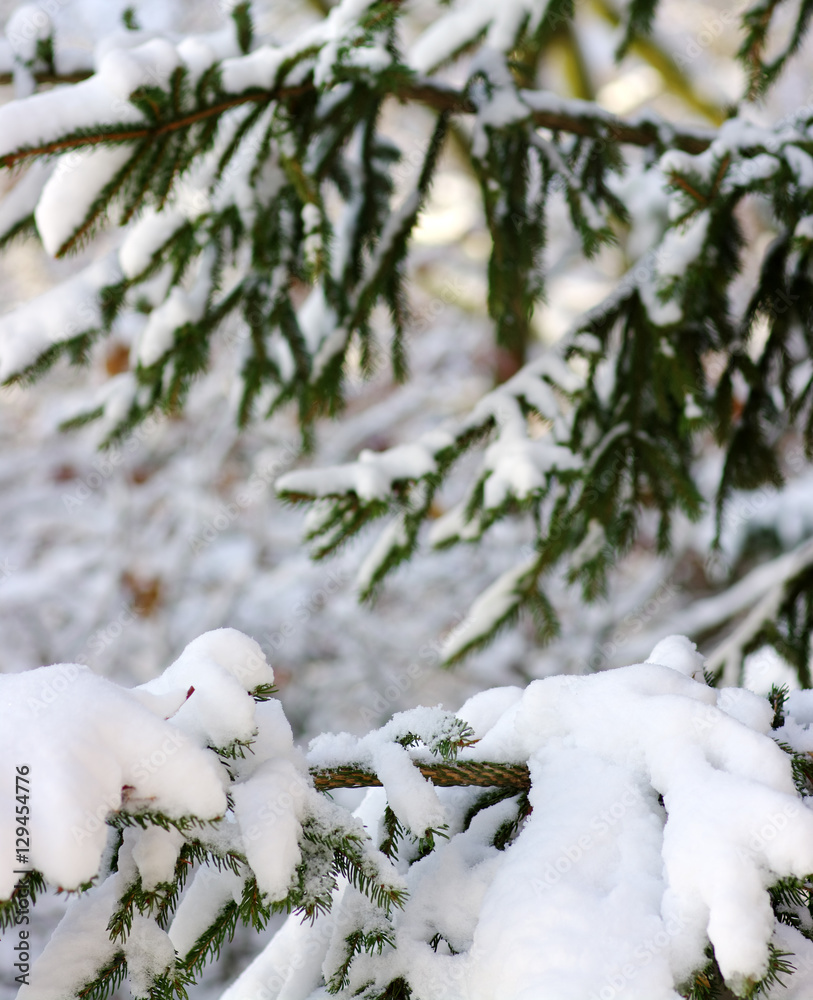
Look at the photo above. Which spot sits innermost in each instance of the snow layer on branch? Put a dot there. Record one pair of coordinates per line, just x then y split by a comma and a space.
290, 966
682, 247
87, 739
45, 118
58, 315
180, 308
220, 667
82, 945
394, 536
373, 475
270, 800
71, 191
649, 883
147, 236
316, 319
155, 853
21, 201
515, 464
270, 807
149, 953
490, 608
534, 383
413, 799
70, 961
603, 885
260, 68
679, 653
210, 891
453, 31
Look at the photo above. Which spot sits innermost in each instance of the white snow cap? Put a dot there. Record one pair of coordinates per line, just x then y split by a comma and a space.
679, 653
209, 685
94, 748
91, 749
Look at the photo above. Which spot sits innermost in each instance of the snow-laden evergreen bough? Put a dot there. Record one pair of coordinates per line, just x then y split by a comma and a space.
257, 183
634, 833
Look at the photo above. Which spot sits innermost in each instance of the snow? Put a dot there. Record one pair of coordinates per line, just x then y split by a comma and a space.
394, 536
453, 31
801, 163
91, 738
662, 313
71, 191
257, 69
149, 952
70, 959
372, 476
411, 797
23, 197
244, 572
604, 888
45, 117
222, 667
59, 314
804, 228
147, 236
316, 317
290, 965
518, 467
681, 248
180, 308
270, 807
591, 545
678, 653
210, 891
713, 875
155, 854
490, 608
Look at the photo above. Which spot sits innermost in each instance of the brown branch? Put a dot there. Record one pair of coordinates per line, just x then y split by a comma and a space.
684, 185
485, 774
597, 125
46, 77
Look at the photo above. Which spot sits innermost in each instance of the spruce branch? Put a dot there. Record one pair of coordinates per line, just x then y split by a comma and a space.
588, 121
481, 773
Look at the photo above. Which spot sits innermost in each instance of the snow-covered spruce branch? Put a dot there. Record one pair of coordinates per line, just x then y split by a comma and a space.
667, 818
547, 111
584, 456
153, 110
189, 126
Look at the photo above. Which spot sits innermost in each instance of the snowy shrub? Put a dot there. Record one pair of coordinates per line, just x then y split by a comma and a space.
634, 832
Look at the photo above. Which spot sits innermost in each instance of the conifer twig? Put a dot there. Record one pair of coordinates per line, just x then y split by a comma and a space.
481, 773
588, 122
